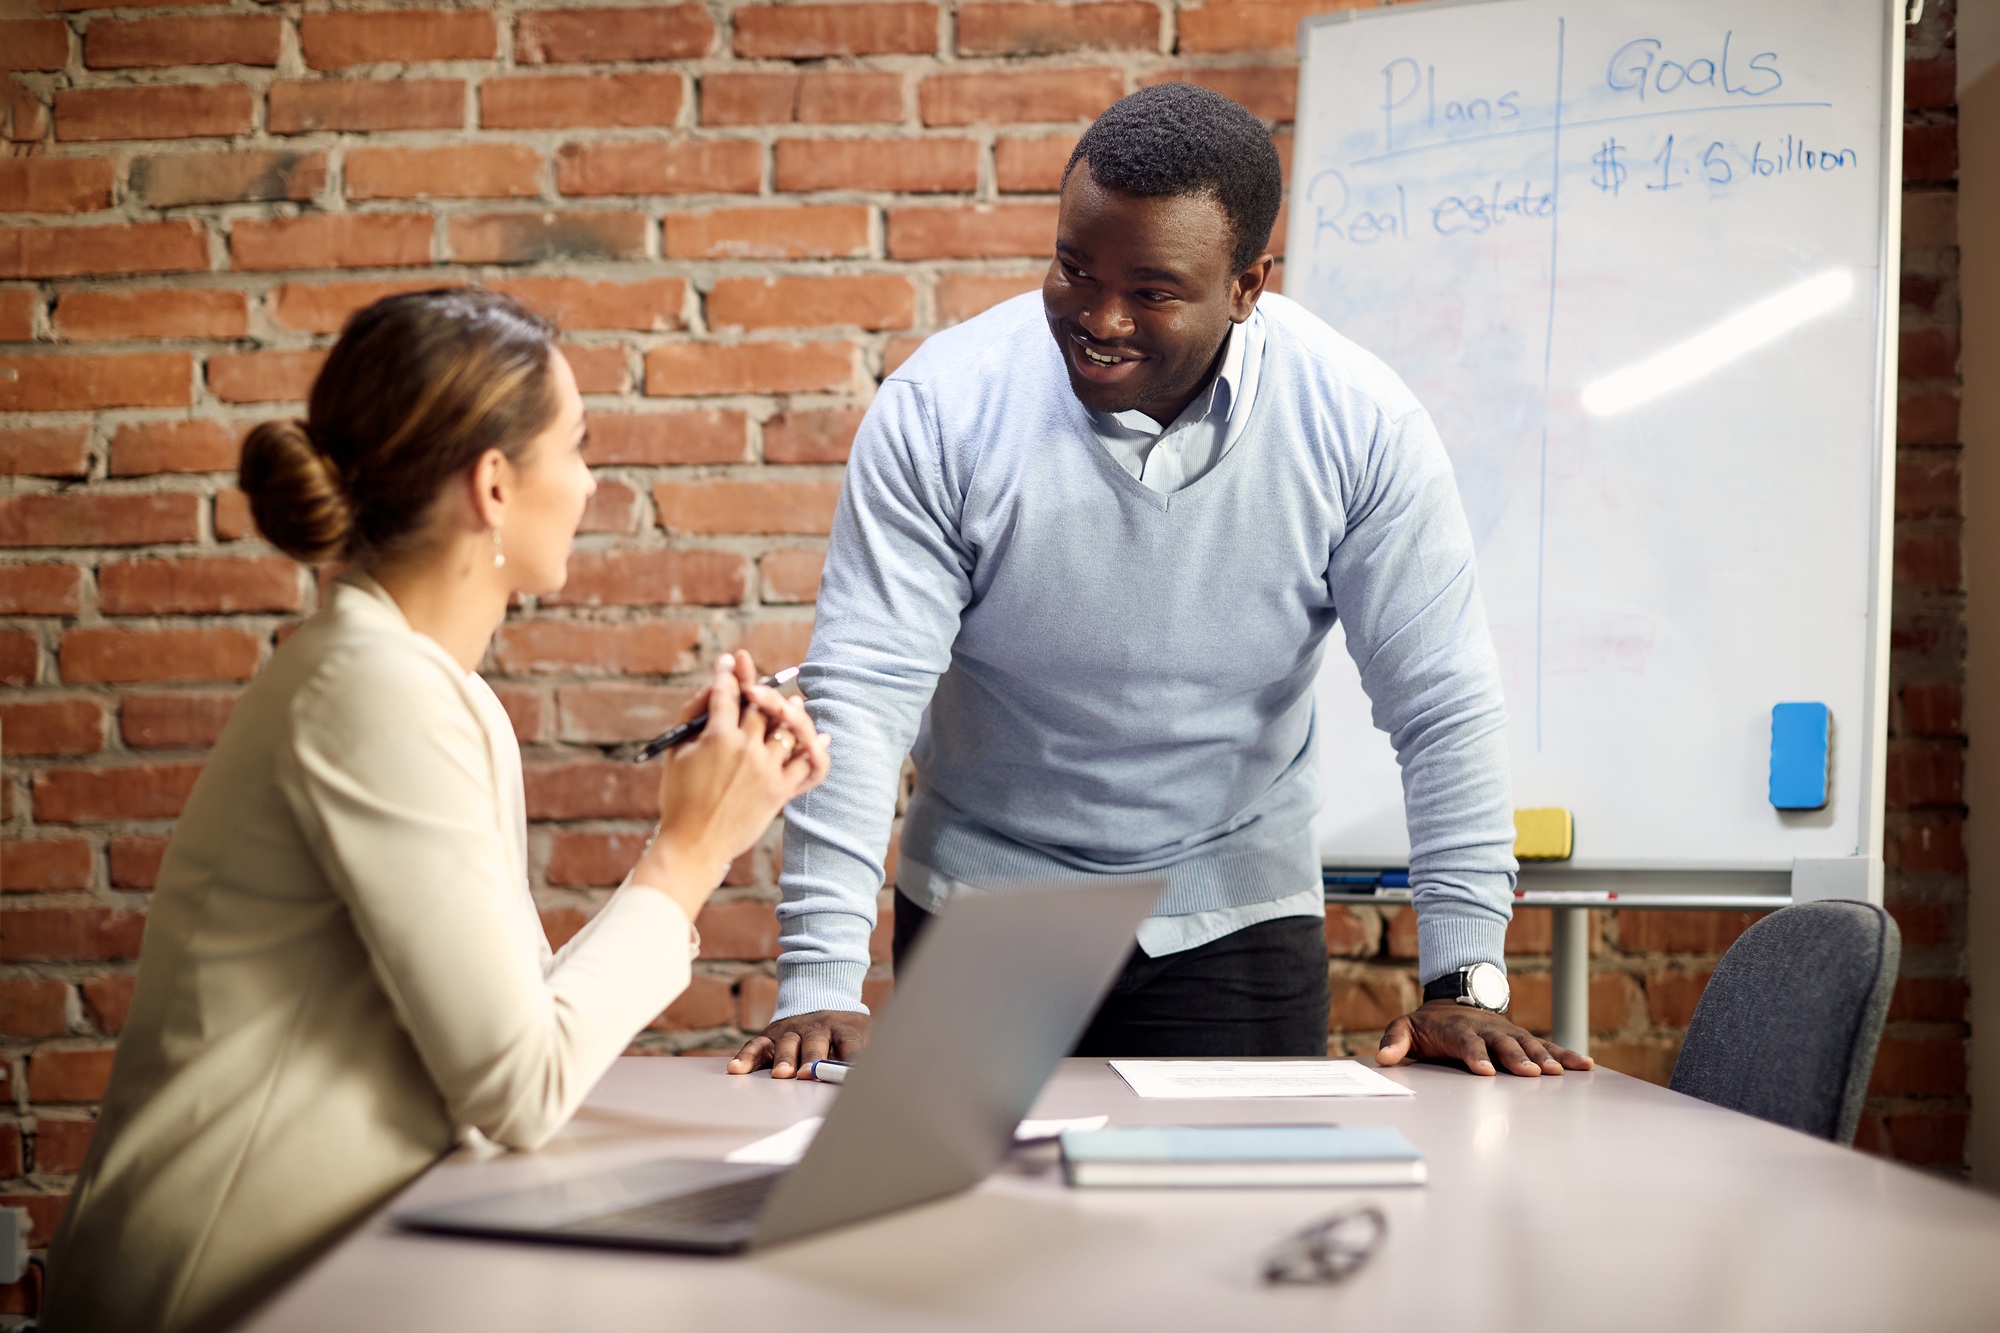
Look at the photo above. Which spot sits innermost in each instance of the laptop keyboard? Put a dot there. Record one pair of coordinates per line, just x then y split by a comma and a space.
738, 1201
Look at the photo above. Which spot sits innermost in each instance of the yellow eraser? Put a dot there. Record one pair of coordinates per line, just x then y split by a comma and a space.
1544, 835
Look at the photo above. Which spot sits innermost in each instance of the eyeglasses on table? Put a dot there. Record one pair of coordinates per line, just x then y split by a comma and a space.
1328, 1250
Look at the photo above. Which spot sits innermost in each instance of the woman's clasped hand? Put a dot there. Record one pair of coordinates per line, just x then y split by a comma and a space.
718, 791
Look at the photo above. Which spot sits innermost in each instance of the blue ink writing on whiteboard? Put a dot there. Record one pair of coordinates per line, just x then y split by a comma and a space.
1382, 212
1607, 173
1665, 160
1328, 194
1641, 67
1404, 81
1715, 165
1793, 154
1722, 162
1409, 77
1330, 197
1475, 214
1369, 227
1778, 157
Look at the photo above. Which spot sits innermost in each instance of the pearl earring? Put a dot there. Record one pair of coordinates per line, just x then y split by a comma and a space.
499, 556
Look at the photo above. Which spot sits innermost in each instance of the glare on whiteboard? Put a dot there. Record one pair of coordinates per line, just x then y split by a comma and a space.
1738, 335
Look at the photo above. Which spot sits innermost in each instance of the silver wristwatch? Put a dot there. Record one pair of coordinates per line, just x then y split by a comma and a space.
1481, 985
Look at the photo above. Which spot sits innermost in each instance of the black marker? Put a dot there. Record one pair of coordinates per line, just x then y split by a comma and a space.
692, 728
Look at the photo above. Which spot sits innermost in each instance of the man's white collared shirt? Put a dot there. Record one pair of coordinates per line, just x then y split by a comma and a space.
1166, 458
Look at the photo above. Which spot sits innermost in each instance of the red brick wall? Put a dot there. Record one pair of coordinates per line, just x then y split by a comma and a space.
742, 215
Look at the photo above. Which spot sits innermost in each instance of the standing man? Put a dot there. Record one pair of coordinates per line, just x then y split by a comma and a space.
1087, 552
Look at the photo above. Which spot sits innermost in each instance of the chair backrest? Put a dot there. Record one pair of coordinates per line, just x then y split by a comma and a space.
1786, 1030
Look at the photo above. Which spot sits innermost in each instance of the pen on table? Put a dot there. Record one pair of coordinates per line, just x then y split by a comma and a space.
829, 1071
692, 728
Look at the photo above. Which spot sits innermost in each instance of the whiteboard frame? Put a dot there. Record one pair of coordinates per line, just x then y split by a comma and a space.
1760, 885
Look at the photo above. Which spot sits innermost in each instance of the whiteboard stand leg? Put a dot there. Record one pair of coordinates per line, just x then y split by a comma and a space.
1571, 982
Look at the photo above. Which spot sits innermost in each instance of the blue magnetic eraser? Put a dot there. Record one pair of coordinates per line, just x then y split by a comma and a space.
1801, 736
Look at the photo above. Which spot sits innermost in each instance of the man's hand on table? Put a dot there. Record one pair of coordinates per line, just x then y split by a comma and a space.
1477, 1038
790, 1045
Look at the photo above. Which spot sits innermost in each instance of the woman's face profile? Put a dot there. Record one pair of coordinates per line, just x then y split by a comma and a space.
553, 485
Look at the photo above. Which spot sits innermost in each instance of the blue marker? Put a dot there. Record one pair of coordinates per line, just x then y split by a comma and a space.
1365, 879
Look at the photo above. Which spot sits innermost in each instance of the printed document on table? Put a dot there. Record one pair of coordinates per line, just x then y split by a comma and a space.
788, 1145
1192, 1079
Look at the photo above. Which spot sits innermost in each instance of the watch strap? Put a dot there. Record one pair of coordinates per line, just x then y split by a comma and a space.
1450, 986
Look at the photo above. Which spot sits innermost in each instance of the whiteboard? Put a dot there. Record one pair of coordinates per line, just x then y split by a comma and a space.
1631, 258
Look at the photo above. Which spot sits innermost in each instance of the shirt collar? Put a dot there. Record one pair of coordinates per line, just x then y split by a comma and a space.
1217, 400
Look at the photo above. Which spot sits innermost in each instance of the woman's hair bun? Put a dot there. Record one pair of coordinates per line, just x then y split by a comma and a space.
295, 493
418, 387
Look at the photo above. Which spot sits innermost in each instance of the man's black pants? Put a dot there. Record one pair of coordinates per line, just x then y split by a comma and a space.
1259, 991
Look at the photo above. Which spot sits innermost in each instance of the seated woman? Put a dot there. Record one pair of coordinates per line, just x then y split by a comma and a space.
343, 970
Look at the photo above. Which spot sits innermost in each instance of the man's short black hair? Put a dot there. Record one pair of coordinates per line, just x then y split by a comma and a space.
1176, 139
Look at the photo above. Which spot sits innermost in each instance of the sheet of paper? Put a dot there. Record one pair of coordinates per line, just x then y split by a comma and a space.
789, 1144
1192, 1079
782, 1148
1037, 1131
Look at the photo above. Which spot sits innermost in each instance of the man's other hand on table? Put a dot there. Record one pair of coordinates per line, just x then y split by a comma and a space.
790, 1045
1477, 1038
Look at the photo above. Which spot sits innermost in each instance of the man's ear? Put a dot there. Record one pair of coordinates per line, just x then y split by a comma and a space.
1247, 286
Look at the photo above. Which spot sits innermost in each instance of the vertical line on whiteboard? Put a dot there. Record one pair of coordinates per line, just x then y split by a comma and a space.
1548, 361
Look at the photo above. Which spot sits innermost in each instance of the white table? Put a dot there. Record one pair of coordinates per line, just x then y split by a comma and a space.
1590, 1201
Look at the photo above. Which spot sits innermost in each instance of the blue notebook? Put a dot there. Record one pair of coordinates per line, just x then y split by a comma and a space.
1237, 1155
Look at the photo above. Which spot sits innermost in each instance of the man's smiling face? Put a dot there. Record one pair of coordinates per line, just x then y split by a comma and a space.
1142, 293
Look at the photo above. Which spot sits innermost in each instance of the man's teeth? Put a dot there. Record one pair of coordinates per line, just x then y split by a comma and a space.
1100, 360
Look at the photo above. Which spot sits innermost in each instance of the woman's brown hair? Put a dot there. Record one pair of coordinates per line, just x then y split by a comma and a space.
418, 387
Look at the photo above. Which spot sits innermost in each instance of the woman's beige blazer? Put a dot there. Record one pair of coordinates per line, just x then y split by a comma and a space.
342, 970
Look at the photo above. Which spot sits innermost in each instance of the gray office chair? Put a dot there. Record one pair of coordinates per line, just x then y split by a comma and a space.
1786, 1030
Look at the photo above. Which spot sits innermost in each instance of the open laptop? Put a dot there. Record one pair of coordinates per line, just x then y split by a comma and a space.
998, 990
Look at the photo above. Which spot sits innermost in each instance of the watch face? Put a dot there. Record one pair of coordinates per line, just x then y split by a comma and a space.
1487, 985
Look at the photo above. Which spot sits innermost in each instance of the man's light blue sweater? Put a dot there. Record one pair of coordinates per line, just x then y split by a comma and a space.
1102, 679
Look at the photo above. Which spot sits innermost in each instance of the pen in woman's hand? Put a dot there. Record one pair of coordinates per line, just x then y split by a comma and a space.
692, 728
